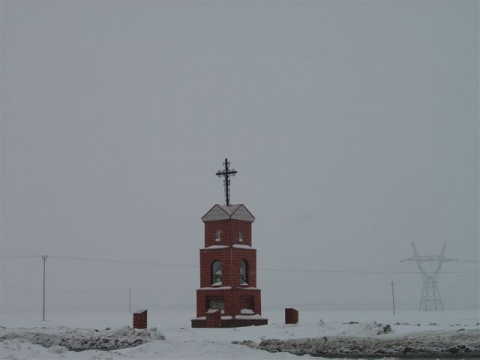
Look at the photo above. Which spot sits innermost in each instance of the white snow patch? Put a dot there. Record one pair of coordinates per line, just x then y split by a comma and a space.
216, 287
246, 312
243, 317
217, 247
241, 246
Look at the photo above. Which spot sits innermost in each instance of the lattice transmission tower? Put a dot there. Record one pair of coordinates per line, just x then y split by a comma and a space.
430, 294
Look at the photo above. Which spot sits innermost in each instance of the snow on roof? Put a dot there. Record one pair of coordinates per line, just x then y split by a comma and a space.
241, 246
230, 209
224, 212
216, 288
217, 247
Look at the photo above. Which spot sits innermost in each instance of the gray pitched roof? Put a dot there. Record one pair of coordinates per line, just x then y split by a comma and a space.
223, 212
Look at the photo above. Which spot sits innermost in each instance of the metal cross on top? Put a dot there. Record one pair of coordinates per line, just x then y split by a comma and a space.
226, 181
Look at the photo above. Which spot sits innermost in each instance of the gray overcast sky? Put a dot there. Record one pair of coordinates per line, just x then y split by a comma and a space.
354, 128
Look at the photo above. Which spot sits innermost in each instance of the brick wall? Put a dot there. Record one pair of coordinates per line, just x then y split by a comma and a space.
140, 319
214, 320
230, 230
230, 259
235, 300
235, 296
291, 316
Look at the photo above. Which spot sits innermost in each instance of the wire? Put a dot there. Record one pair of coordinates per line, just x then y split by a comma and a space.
363, 271
152, 263
121, 261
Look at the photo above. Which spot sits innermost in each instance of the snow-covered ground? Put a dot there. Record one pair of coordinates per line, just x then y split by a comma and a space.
21, 335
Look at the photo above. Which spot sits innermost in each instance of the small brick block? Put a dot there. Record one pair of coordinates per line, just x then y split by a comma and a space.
291, 316
214, 319
140, 319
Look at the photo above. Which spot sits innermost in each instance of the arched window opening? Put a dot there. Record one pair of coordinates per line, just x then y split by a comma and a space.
217, 273
215, 303
243, 272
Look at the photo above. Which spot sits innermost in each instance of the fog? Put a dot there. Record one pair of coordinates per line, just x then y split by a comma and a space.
353, 127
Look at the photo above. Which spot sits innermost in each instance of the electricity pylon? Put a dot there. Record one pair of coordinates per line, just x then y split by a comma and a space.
430, 294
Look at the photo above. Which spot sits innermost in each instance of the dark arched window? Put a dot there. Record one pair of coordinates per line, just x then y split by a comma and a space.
216, 273
243, 272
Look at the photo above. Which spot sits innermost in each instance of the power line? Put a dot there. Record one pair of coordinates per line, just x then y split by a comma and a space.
340, 271
360, 271
153, 263
120, 261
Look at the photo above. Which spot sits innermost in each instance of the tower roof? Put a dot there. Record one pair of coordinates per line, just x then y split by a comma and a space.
224, 212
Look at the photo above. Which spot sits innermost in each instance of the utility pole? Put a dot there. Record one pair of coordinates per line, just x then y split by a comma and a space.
44, 257
129, 300
393, 298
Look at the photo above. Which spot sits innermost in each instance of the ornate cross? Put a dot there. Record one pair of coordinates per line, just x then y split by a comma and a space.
226, 182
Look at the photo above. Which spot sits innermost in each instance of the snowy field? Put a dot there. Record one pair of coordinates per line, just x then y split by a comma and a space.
170, 336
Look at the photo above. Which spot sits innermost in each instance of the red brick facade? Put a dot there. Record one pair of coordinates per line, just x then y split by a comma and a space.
228, 270
291, 316
230, 232
230, 258
140, 319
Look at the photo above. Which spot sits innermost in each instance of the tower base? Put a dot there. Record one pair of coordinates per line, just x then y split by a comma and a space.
228, 322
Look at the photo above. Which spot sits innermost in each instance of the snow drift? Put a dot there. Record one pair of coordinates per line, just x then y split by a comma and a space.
61, 339
464, 343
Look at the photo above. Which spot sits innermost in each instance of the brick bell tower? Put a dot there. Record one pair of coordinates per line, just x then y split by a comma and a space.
228, 295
